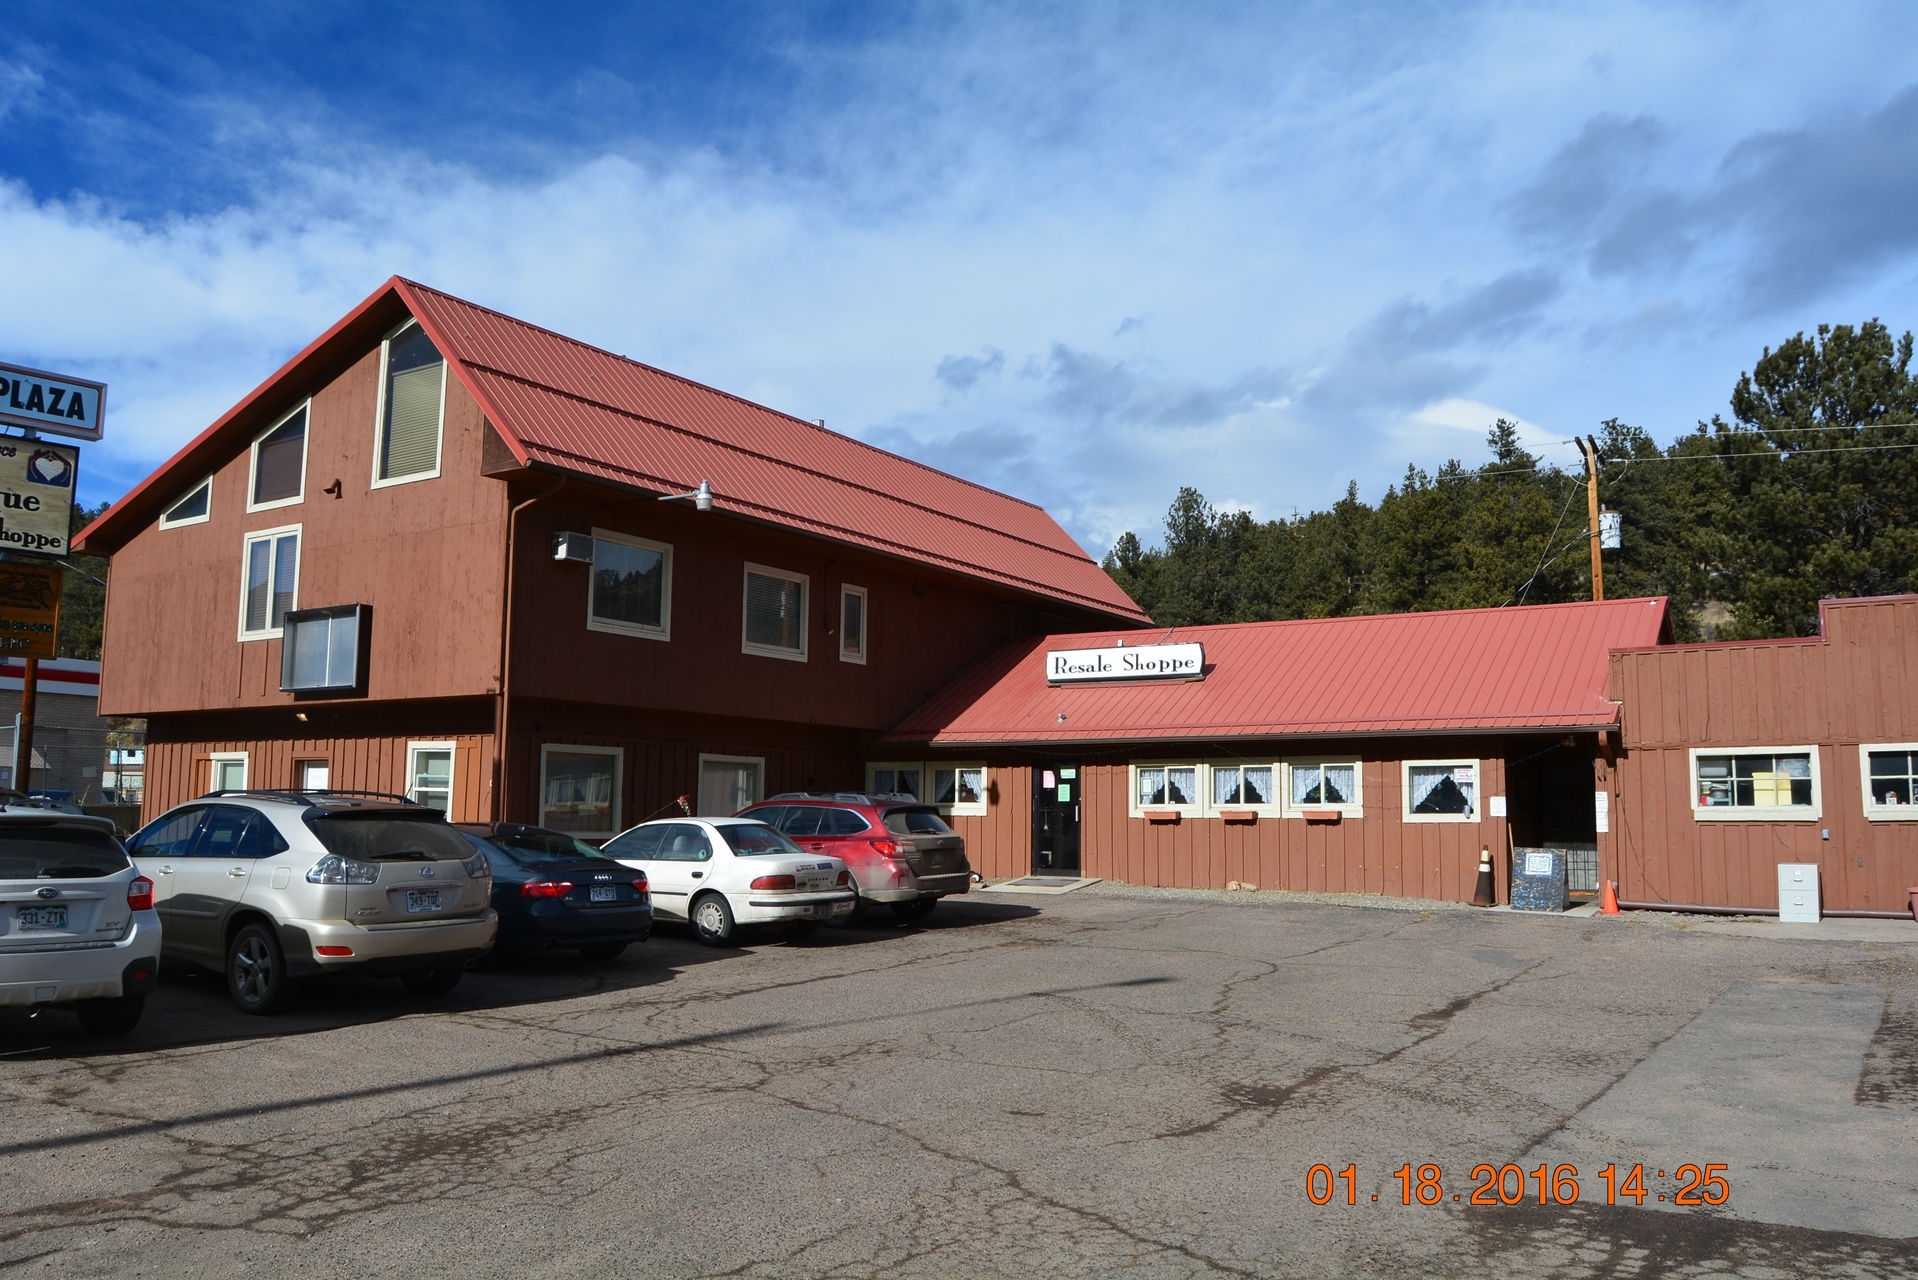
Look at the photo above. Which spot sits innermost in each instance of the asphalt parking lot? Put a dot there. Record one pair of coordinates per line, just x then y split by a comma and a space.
1107, 1083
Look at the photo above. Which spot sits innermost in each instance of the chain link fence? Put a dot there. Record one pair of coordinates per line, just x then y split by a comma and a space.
89, 766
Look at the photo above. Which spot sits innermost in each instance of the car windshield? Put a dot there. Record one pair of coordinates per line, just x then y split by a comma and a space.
384, 836
751, 838
543, 848
35, 852
916, 822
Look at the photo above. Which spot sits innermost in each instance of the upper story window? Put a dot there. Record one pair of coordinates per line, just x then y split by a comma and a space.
1768, 784
270, 569
195, 508
632, 588
852, 624
412, 408
279, 463
775, 613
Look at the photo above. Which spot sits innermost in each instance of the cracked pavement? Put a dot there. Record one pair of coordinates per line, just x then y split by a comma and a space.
1098, 1084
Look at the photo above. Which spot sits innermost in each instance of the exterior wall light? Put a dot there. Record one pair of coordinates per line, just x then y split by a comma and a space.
702, 497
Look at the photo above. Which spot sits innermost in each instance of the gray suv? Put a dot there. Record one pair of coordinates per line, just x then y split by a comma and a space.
270, 887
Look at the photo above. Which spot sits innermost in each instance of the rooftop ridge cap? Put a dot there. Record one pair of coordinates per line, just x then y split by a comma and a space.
738, 399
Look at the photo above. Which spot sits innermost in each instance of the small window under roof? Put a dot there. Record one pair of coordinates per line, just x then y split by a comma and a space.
279, 462
194, 508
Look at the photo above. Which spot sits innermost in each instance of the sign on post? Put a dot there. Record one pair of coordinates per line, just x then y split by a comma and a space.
51, 402
36, 495
29, 608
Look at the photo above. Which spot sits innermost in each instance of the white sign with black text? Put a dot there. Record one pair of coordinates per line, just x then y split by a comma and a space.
1126, 662
51, 401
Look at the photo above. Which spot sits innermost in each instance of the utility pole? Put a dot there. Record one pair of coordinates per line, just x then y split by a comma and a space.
23, 736
1589, 447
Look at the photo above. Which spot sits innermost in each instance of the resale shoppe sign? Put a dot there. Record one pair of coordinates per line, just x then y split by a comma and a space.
1126, 662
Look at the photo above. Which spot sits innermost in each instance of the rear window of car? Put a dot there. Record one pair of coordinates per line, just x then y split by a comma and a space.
751, 838
916, 822
58, 853
386, 837
532, 849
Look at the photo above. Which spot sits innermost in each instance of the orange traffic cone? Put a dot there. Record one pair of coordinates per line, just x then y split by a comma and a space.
1608, 898
1486, 893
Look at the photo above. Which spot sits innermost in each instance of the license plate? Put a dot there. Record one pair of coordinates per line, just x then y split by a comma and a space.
603, 893
41, 917
841, 908
422, 899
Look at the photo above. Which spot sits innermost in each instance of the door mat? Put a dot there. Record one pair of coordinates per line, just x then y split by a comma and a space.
1040, 884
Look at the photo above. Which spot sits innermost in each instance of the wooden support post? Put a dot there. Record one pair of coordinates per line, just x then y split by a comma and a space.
23, 745
1589, 447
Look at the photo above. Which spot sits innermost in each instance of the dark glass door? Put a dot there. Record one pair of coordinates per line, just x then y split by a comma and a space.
1055, 819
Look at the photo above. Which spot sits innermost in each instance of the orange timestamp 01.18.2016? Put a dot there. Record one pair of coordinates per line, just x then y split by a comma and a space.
1685, 1184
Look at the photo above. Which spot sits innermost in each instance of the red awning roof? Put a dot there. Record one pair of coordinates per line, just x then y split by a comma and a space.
1540, 667
563, 405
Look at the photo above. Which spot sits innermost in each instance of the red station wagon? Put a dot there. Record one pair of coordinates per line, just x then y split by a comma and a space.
898, 848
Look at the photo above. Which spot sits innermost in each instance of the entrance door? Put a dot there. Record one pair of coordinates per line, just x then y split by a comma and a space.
1056, 798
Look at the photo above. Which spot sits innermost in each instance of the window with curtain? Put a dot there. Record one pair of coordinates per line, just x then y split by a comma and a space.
775, 612
1441, 789
1324, 785
1242, 785
895, 779
279, 463
271, 564
412, 406
1168, 786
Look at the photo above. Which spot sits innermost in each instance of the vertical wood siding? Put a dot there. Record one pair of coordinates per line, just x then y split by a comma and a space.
179, 771
1858, 684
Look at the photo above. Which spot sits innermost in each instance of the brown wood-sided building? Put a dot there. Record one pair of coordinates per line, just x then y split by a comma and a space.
438, 530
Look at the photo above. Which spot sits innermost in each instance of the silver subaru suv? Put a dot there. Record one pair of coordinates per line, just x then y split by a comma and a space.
271, 887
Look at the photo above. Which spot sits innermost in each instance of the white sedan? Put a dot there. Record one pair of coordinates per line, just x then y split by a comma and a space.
719, 873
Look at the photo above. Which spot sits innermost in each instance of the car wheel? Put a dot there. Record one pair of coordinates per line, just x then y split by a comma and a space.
712, 919
113, 1017
256, 971
433, 982
917, 909
603, 951
801, 929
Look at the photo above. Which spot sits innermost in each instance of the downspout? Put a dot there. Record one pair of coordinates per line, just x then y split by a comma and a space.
498, 806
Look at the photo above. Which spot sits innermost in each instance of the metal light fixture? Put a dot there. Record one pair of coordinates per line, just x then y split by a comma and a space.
702, 497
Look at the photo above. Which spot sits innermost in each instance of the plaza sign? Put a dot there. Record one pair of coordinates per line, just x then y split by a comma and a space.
1126, 662
51, 402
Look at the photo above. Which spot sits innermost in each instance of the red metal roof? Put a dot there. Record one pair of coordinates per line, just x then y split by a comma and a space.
561, 404
1470, 670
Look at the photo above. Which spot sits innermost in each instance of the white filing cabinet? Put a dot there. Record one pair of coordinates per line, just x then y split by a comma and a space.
1798, 893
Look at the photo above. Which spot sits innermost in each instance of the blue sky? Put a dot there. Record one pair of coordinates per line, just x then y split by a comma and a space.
1085, 254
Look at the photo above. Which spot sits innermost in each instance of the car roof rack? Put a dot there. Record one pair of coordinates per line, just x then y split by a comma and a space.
850, 797
310, 796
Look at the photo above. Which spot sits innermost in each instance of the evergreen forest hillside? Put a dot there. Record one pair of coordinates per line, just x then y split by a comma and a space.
1808, 492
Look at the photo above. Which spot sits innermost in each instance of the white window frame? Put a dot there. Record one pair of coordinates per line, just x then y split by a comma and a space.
253, 462
715, 758
664, 631
1478, 791
206, 484
619, 777
216, 758
379, 415
846, 589
1213, 808
413, 750
1354, 809
805, 618
1755, 813
1876, 812
246, 547
926, 769
1201, 786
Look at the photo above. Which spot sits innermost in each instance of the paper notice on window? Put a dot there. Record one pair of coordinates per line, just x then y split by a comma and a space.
1046, 779
1602, 809
1538, 864
1498, 806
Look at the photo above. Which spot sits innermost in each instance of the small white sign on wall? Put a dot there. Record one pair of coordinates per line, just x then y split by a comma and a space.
1497, 805
1126, 662
1602, 809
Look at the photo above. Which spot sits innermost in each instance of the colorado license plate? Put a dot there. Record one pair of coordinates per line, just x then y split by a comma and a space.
602, 893
422, 899
841, 908
41, 917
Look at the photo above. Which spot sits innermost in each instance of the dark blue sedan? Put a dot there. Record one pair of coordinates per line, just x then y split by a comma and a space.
554, 891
